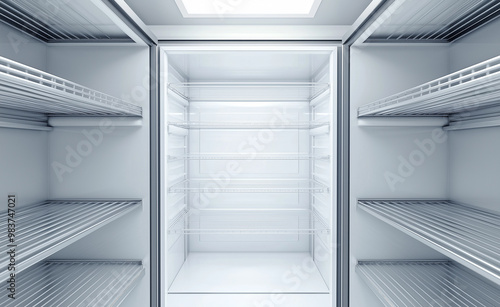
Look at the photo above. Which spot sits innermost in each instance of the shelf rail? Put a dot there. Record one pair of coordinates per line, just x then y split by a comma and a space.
28, 89
426, 283
72, 283
467, 235
470, 89
248, 125
47, 227
246, 156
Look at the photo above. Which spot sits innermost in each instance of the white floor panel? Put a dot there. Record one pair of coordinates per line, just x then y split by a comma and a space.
249, 300
256, 273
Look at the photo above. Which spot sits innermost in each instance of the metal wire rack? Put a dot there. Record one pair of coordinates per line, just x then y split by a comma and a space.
47, 227
426, 283
61, 20
71, 283
24, 88
467, 235
429, 20
473, 88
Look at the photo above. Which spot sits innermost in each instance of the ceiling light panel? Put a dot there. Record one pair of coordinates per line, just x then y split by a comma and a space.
248, 8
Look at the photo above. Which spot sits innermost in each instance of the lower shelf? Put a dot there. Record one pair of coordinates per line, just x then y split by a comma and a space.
71, 283
47, 227
250, 273
427, 283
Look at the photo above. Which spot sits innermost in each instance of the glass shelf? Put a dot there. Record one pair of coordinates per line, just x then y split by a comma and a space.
246, 156
264, 185
467, 235
249, 91
248, 125
248, 222
426, 283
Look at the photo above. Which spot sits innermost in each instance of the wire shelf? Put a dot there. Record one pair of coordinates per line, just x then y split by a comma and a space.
429, 20
264, 185
27, 89
71, 283
470, 89
247, 156
249, 125
249, 91
45, 228
426, 283
61, 20
249, 222
467, 235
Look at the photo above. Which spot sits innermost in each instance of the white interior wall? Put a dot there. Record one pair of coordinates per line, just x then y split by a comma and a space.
474, 165
376, 72
116, 166
23, 153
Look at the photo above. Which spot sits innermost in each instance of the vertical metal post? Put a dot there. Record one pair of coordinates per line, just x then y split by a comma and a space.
155, 210
343, 123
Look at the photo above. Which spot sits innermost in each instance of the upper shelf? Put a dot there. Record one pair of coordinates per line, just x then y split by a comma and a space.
46, 228
249, 91
429, 20
470, 89
467, 235
72, 283
426, 283
24, 88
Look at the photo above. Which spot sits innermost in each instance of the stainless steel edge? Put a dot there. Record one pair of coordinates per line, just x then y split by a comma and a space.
369, 15
155, 235
129, 17
343, 123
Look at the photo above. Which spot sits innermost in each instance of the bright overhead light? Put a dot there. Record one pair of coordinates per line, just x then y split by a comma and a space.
248, 8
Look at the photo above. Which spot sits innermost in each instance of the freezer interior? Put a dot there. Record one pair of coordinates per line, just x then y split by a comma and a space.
249, 151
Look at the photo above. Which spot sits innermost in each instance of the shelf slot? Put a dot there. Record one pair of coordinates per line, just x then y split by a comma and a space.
467, 235
426, 283
74, 283
45, 228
